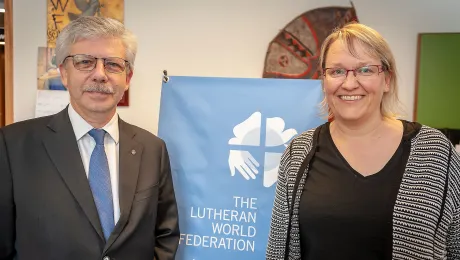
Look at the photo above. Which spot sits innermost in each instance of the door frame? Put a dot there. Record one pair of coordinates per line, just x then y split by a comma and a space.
8, 5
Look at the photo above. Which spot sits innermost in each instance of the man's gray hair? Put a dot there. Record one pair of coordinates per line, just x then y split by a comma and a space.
92, 27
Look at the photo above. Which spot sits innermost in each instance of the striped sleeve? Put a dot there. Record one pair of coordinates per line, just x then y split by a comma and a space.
453, 235
280, 213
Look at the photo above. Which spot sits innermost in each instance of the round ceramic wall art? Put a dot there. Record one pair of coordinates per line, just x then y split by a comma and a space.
295, 50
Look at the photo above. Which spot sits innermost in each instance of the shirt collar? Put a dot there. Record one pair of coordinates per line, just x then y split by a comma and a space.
81, 127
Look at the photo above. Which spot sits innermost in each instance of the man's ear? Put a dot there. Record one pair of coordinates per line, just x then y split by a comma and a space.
129, 75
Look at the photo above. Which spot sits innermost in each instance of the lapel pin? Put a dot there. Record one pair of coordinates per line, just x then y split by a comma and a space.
133, 152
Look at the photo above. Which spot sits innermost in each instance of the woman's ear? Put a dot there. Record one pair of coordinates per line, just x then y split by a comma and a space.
387, 81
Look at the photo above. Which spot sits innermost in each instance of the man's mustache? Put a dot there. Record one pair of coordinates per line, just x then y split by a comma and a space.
99, 88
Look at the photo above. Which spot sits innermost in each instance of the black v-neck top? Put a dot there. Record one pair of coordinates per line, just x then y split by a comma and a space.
344, 215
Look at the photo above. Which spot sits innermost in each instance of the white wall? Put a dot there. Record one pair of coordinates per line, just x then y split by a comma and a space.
222, 38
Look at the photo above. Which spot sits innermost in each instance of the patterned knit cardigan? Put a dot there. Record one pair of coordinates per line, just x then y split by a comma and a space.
426, 215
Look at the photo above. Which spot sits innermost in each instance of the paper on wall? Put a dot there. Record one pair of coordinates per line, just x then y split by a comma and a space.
50, 102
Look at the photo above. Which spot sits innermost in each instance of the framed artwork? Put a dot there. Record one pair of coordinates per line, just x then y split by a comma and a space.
48, 76
61, 12
124, 102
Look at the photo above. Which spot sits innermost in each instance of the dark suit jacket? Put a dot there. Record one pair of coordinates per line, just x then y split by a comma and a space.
47, 209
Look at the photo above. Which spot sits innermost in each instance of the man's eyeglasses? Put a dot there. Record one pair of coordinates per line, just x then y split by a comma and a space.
85, 62
368, 71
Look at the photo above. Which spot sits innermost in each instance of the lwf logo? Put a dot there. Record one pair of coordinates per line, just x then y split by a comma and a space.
249, 134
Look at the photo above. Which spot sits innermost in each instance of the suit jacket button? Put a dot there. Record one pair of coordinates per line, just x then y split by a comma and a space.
106, 258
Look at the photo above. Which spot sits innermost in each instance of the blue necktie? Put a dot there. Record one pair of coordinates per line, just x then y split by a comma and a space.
99, 181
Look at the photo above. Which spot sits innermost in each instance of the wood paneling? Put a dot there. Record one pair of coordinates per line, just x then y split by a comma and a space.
8, 62
2, 85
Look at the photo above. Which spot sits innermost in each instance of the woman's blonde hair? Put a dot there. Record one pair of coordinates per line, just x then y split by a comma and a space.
377, 47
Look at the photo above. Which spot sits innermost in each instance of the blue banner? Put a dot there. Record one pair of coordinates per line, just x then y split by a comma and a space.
225, 137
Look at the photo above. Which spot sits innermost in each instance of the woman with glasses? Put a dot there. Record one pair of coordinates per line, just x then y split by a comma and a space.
365, 185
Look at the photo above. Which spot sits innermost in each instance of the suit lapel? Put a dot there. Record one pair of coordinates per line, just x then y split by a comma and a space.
130, 154
62, 147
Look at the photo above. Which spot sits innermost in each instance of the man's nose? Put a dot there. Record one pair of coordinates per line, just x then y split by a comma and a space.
99, 73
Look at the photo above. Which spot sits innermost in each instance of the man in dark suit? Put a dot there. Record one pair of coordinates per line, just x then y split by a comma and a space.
83, 184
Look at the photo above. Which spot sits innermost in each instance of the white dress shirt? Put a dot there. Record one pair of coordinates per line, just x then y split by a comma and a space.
86, 146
